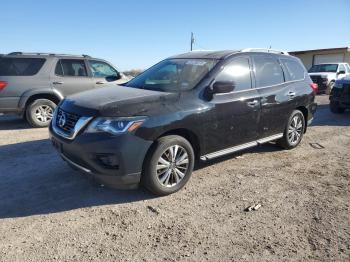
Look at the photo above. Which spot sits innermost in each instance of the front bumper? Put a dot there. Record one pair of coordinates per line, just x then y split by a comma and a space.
115, 161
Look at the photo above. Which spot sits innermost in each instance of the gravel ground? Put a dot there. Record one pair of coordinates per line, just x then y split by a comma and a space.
50, 213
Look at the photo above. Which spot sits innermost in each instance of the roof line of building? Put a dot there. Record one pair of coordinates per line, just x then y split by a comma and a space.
319, 50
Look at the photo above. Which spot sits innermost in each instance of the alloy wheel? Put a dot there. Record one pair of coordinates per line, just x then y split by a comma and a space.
172, 166
295, 129
44, 113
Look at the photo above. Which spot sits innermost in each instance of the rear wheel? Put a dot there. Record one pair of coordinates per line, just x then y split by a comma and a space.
335, 108
294, 130
39, 112
169, 165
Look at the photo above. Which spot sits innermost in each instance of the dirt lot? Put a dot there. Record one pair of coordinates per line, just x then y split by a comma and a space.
50, 213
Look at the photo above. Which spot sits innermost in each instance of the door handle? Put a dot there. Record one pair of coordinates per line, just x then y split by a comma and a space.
253, 103
101, 82
57, 83
291, 94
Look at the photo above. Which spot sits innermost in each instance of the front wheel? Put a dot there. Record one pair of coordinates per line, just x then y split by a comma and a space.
169, 165
39, 113
294, 130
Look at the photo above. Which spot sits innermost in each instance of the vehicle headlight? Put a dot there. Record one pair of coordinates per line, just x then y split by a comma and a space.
115, 125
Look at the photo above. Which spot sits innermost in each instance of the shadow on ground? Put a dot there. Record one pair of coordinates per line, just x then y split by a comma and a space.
34, 180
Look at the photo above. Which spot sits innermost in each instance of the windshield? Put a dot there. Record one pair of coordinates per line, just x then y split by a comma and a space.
332, 68
173, 75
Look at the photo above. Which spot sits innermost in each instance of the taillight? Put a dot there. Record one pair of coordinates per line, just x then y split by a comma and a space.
314, 87
3, 84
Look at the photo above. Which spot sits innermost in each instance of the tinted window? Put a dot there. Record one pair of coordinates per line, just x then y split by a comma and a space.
20, 66
295, 70
268, 71
71, 67
101, 69
237, 70
173, 75
332, 68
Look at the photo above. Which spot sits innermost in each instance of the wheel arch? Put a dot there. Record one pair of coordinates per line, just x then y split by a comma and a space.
305, 112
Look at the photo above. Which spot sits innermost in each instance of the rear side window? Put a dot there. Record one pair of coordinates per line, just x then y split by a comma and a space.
295, 70
268, 71
20, 66
237, 70
71, 67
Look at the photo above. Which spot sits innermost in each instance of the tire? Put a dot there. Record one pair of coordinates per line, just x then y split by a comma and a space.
335, 108
294, 131
39, 112
329, 88
170, 177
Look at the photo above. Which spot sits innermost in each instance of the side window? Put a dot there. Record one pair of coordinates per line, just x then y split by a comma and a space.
341, 68
71, 67
295, 70
268, 71
347, 67
101, 69
237, 70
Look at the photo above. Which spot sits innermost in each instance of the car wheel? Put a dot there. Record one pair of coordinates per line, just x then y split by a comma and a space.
169, 165
294, 130
335, 108
329, 88
39, 113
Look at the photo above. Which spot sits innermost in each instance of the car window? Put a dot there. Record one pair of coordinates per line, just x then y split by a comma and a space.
101, 69
327, 68
295, 71
238, 71
173, 75
20, 66
341, 68
71, 67
267, 71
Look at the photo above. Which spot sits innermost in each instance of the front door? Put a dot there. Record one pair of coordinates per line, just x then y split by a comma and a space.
235, 115
71, 76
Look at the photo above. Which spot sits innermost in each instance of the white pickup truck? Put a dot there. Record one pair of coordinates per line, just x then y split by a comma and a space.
324, 75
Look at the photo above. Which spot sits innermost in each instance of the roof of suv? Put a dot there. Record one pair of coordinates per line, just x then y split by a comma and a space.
226, 53
43, 55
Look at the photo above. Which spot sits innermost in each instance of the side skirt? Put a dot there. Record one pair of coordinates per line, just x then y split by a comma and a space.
240, 147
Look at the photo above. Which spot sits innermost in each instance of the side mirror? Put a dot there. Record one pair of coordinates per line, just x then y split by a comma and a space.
221, 87
113, 78
341, 72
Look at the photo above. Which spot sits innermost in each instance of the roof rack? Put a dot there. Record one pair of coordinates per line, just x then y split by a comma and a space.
48, 54
265, 50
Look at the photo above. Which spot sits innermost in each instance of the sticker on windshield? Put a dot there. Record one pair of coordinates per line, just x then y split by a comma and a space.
196, 62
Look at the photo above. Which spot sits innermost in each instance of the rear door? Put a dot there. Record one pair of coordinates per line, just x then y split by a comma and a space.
277, 96
235, 115
100, 70
71, 76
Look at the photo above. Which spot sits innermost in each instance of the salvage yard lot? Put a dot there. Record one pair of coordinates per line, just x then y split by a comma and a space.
50, 213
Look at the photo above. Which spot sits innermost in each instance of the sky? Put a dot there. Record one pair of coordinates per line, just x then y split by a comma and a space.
135, 34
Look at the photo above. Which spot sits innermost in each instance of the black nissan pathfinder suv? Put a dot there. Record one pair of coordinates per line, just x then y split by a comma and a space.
195, 106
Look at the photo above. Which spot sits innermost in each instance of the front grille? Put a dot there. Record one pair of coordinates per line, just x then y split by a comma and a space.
66, 121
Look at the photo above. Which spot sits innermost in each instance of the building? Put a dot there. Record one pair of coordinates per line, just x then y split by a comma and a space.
318, 56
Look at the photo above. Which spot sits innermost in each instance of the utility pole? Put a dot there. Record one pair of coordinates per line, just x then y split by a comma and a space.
192, 41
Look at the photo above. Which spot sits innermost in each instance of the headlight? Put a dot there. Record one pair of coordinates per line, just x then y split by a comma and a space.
114, 125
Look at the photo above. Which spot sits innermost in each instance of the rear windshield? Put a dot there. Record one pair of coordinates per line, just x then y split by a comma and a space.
332, 68
20, 66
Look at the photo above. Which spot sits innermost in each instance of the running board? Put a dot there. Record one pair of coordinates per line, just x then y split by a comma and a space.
240, 147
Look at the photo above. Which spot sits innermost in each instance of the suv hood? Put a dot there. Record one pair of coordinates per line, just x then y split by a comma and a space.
118, 101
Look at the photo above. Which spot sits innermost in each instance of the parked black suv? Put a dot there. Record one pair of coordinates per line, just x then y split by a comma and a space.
198, 105
340, 96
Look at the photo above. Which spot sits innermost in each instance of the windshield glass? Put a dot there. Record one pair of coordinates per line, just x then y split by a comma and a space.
173, 75
332, 68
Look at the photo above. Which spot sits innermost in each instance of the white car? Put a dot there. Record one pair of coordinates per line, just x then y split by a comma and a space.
325, 75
